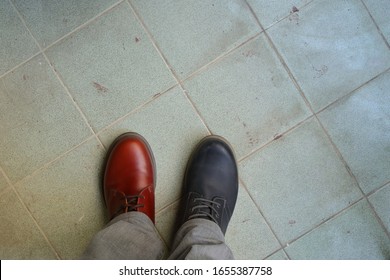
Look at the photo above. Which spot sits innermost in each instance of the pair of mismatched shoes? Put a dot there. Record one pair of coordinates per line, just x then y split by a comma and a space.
210, 184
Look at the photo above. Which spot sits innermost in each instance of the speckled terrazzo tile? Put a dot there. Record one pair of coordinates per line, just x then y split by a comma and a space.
270, 12
192, 33
38, 121
248, 235
110, 66
20, 238
359, 125
172, 128
332, 48
379, 10
380, 202
298, 181
50, 20
353, 234
66, 199
16, 44
247, 97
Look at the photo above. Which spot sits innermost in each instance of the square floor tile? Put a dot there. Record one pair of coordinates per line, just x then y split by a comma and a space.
38, 121
172, 128
16, 44
354, 234
270, 12
248, 235
19, 236
359, 125
379, 10
298, 181
66, 199
247, 97
110, 66
191, 33
380, 201
50, 20
331, 47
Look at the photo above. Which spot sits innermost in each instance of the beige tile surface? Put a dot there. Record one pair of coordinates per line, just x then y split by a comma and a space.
20, 237
66, 199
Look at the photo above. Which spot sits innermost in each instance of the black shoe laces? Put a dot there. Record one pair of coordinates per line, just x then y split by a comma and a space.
204, 208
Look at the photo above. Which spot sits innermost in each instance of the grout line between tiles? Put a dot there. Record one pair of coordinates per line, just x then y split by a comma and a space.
46, 165
19, 65
283, 18
135, 110
96, 17
352, 92
11, 187
9, 184
58, 76
324, 221
222, 56
37, 224
282, 61
278, 136
315, 114
378, 189
353, 176
376, 25
264, 217
174, 74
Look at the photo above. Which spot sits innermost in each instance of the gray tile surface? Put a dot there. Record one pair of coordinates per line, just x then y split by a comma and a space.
50, 20
110, 67
354, 234
192, 33
378, 9
298, 181
247, 97
270, 12
16, 44
319, 44
360, 127
245, 221
380, 202
38, 120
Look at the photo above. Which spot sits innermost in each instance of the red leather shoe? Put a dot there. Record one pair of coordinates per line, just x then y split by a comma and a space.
129, 178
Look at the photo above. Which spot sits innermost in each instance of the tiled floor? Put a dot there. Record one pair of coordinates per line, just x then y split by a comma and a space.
300, 89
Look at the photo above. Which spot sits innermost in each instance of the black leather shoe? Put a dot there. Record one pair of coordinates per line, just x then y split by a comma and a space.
211, 182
